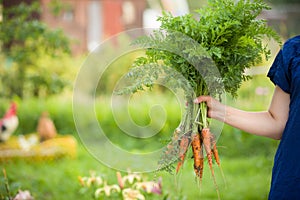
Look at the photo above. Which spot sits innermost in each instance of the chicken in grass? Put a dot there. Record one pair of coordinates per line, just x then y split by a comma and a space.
9, 123
46, 128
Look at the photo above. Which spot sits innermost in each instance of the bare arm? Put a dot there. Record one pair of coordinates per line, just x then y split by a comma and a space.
268, 123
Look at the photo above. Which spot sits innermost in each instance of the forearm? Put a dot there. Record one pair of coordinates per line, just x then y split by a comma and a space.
258, 123
269, 123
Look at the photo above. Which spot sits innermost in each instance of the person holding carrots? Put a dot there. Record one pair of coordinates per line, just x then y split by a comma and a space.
281, 121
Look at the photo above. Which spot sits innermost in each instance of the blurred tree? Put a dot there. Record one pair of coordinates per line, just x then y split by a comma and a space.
24, 40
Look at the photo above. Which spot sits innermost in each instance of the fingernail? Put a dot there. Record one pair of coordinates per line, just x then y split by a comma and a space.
196, 101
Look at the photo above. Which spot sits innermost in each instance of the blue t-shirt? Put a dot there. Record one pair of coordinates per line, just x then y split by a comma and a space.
285, 73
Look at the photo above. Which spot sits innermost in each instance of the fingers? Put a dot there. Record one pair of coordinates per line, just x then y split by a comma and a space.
200, 99
215, 109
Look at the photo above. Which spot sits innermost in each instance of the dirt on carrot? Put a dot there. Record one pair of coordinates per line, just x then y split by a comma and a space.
198, 155
183, 147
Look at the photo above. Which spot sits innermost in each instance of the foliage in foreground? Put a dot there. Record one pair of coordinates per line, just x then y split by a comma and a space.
128, 187
59, 179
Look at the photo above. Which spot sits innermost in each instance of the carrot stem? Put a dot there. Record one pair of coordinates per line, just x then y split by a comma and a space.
203, 109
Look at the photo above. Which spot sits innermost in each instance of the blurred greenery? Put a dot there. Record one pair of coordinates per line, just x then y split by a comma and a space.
25, 41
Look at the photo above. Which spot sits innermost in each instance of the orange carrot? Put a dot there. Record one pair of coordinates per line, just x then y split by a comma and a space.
198, 155
207, 146
216, 156
206, 135
214, 150
174, 138
183, 147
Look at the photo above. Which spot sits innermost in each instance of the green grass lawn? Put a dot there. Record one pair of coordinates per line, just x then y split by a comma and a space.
246, 178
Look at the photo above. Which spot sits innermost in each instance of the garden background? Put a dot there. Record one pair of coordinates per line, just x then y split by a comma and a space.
38, 68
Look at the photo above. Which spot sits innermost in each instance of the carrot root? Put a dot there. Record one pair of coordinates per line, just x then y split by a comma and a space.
217, 158
183, 147
207, 142
198, 156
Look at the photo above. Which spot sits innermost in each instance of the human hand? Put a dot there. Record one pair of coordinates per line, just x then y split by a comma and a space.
216, 109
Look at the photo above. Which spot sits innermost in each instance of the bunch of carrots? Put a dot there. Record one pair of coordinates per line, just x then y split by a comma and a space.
201, 140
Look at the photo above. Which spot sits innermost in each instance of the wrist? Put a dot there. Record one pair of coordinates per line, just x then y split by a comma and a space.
221, 113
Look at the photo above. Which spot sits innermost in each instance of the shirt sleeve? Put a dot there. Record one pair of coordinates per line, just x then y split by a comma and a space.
279, 72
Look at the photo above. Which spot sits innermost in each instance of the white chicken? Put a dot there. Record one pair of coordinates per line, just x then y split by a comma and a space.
9, 123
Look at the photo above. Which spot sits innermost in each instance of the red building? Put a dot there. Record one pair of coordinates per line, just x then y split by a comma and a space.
89, 22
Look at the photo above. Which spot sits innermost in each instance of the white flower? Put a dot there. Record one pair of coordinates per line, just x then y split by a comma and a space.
23, 195
92, 180
131, 194
131, 177
107, 189
149, 186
